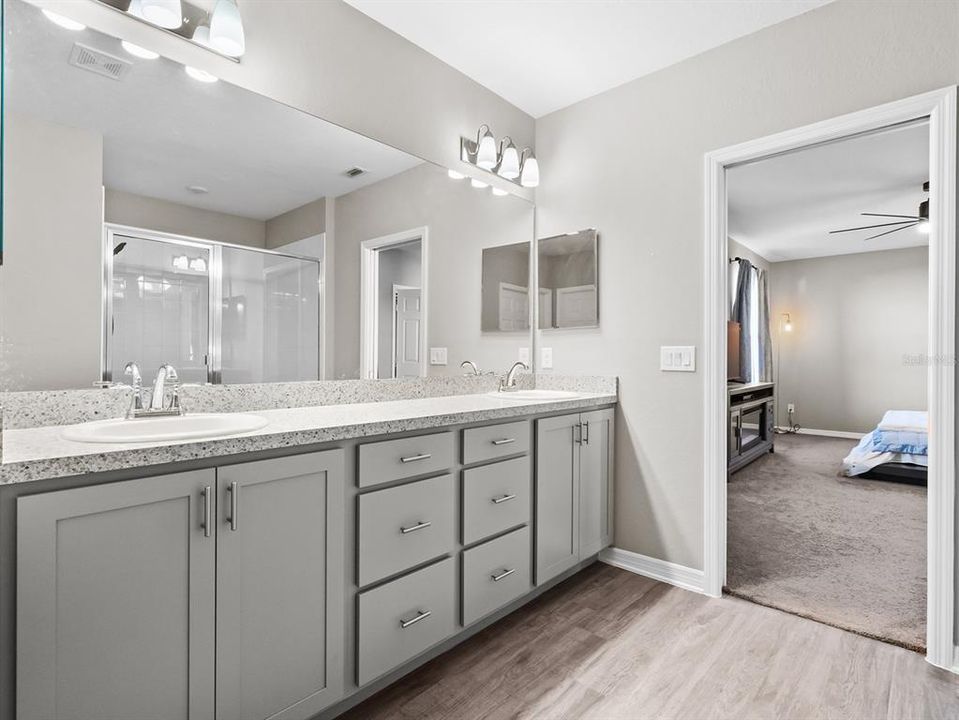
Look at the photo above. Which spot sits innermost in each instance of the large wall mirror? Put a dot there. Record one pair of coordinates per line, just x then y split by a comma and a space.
568, 280
150, 216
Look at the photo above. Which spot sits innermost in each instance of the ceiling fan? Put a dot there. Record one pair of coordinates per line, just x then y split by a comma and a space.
903, 223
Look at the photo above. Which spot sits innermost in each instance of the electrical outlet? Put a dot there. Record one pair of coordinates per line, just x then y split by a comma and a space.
546, 358
524, 355
791, 407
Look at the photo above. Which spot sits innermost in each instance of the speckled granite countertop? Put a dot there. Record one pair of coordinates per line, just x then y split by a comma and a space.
42, 453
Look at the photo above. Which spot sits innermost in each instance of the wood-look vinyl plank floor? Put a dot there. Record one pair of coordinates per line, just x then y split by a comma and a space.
610, 645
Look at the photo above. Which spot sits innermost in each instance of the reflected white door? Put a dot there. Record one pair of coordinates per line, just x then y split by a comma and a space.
576, 306
513, 307
407, 332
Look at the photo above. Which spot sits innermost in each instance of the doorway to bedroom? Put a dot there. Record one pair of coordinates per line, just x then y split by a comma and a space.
834, 285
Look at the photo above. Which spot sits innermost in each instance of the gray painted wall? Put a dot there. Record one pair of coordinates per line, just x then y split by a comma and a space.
461, 221
164, 216
296, 224
855, 318
629, 162
53, 178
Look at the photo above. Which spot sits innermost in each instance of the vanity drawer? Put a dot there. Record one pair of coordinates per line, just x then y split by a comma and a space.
404, 526
382, 462
495, 441
495, 498
495, 573
401, 619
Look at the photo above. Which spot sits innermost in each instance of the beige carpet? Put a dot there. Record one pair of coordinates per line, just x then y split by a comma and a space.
847, 552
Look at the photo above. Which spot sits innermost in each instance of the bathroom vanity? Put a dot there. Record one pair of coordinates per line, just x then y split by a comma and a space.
269, 575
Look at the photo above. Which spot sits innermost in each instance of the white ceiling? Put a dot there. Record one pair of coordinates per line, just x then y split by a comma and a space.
783, 208
542, 55
164, 131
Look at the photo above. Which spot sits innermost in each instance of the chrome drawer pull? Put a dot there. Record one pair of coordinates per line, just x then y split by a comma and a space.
505, 573
497, 501
421, 615
414, 458
234, 491
413, 528
207, 511
504, 441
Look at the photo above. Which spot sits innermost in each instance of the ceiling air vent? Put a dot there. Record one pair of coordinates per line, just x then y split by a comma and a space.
99, 62
355, 172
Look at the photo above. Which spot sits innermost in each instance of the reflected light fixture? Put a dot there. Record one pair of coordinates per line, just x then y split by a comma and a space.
200, 75
62, 21
499, 192
137, 51
479, 184
923, 227
509, 160
455, 175
504, 160
226, 29
164, 13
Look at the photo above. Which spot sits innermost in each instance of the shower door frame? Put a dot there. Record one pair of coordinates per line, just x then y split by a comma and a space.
214, 367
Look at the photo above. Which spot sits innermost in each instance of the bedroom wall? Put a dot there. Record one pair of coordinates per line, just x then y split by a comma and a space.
856, 321
629, 162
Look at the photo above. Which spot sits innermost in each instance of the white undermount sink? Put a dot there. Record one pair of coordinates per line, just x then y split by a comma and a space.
158, 429
535, 395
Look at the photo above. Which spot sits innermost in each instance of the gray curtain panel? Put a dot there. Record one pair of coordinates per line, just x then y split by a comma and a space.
741, 313
765, 341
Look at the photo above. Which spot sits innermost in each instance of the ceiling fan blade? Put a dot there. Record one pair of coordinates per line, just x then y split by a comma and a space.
890, 231
870, 227
912, 217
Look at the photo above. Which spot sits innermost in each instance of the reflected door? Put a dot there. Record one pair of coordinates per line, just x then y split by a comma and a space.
161, 307
407, 333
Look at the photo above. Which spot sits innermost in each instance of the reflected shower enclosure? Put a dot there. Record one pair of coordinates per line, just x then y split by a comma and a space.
218, 313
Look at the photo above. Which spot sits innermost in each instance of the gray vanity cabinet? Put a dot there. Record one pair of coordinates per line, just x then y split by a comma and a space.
279, 584
115, 601
573, 473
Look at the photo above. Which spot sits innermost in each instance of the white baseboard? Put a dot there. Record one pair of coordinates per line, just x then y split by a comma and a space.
667, 572
828, 433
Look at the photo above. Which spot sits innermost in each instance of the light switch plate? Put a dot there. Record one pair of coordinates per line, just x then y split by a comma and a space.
438, 356
677, 358
546, 358
524, 355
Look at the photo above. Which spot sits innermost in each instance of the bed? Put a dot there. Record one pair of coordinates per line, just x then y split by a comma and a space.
897, 450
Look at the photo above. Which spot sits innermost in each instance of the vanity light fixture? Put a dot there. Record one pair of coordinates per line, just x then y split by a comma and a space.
226, 29
137, 51
200, 75
923, 227
163, 13
62, 21
201, 35
506, 161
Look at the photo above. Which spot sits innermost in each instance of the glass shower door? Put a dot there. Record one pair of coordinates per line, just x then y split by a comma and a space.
160, 299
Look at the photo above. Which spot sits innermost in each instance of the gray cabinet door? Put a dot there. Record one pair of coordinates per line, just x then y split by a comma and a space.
595, 486
115, 601
279, 587
557, 496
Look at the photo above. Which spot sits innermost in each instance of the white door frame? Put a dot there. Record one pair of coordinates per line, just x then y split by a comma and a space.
940, 107
369, 276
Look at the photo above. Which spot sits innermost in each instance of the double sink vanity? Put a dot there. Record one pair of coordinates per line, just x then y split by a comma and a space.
293, 569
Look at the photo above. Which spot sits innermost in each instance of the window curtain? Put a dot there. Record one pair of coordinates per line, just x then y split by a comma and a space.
750, 308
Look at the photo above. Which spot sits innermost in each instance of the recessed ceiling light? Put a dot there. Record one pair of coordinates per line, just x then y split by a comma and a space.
197, 189
200, 75
140, 52
63, 22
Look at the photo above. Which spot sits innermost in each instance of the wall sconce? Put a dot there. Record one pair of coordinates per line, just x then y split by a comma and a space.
785, 323
504, 160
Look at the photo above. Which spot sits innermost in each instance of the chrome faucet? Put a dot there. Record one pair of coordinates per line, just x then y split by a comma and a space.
165, 373
472, 366
136, 404
508, 382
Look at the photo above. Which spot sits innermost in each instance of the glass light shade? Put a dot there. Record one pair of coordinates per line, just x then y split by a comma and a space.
165, 13
530, 175
202, 35
509, 165
136, 8
226, 29
455, 175
200, 75
923, 227
137, 51
64, 22
479, 184
486, 152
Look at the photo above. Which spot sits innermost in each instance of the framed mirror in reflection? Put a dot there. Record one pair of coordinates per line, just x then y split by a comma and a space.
569, 280
150, 217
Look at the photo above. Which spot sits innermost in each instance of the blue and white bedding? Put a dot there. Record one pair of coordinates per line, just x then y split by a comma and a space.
901, 437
